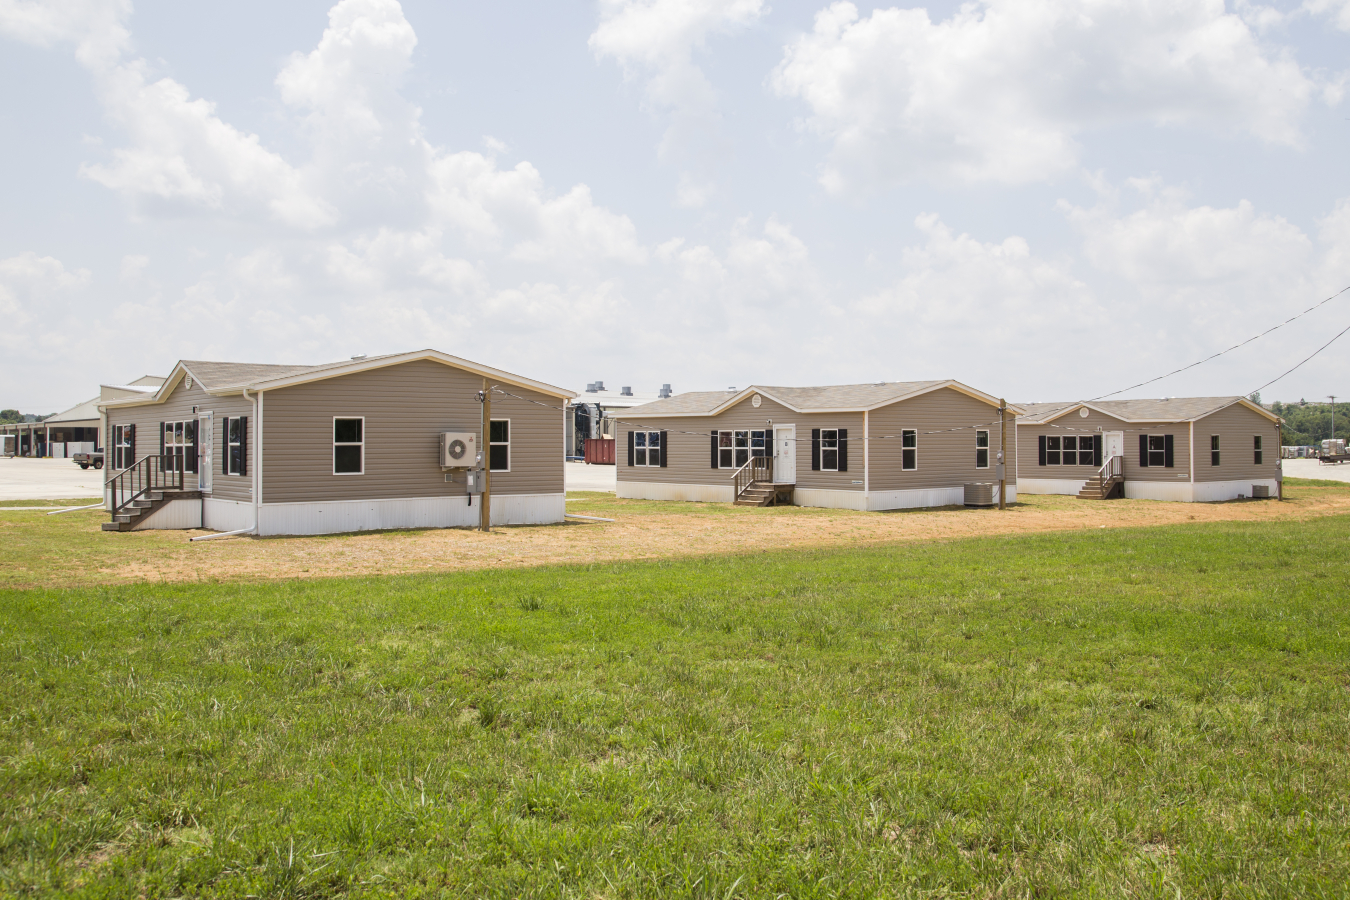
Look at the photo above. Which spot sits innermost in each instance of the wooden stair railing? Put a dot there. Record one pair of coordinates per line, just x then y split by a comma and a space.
1103, 483
134, 489
757, 470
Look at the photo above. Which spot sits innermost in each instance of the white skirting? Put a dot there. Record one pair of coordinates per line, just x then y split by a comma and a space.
227, 515
1051, 485
655, 490
174, 514
333, 517
927, 497
828, 499
1199, 492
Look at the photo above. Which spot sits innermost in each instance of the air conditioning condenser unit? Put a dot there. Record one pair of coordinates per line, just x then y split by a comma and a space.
459, 449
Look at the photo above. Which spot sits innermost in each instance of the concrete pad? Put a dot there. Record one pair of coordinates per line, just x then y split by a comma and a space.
1312, 468
580, 476
47, 479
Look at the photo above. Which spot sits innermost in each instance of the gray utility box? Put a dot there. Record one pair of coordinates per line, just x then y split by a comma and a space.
981, 494
477, 477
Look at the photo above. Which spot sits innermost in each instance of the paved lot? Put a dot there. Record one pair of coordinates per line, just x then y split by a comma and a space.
582, 477
47, 479
1311, 468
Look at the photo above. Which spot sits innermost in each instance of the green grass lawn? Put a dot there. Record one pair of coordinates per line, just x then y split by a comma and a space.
1157, 713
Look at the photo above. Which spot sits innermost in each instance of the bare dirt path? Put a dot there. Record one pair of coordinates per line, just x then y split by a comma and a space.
36, 550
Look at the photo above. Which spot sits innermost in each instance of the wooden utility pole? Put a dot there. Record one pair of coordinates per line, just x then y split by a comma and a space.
1333, 416
485, 505
1002, 453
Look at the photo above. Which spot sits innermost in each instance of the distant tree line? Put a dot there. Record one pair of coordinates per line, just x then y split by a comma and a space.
11, 416
1310, 423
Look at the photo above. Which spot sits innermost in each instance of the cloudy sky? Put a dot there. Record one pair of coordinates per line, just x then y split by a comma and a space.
1047, 200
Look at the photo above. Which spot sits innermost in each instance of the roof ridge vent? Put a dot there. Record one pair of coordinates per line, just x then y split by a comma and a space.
359, 356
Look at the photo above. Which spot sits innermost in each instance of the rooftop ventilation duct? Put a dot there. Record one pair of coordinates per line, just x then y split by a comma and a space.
625, 391
665, 391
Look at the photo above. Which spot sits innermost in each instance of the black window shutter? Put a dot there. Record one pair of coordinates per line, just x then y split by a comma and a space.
843, 449
1143, 451
225, 446
665, 448
243, 445
630, 449
1097, 450
131, 447
815, 449
161, 443
1167, 450
196, 444
714, 448
1040, 445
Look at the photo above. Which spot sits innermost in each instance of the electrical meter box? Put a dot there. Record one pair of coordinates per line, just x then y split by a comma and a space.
459, 449
476, 477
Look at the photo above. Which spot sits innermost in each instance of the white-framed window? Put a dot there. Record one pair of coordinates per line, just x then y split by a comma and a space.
1068, 450
829, 449
180, 439
349, 445
981, 449
909, 449
124, 444
1213, 450
235, 432
647, 448
499, 445
735, 448
1157, 450
1257, 452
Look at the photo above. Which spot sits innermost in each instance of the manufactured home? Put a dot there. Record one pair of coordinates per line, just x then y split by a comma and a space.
890, 445
347, 446
1200, 449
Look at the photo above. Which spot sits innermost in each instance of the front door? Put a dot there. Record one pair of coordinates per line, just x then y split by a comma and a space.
206, 448
785, 454
1113, 444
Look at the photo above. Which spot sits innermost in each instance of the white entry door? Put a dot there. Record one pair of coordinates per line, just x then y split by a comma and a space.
1113, 444
206, 444
785, 454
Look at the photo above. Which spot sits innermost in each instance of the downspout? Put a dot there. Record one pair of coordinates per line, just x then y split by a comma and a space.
1192, 441
255, 436
867, 460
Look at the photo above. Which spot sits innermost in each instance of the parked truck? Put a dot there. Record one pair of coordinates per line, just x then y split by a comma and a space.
1332, 452
92, 458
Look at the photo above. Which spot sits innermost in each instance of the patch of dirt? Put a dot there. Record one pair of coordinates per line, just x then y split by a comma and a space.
646, 531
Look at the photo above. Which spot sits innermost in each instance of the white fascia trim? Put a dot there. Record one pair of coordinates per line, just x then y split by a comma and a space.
832, 410
380, 362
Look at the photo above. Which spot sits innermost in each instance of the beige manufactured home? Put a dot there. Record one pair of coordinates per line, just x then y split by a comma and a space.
879, 446
348, 446
1200, 449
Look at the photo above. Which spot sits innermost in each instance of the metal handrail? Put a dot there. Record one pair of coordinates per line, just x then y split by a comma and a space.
146, 474
749, 473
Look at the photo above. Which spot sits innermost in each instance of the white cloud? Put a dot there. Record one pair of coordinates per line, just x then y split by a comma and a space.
1172, 244
1000, 90
134, 266
655, 41
1336, 10
494, 208
96, 27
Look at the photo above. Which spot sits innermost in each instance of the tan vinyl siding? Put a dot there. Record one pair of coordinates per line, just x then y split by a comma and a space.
689, 454
405, 407
1028, 447
945, 458
178, 406
1236, 426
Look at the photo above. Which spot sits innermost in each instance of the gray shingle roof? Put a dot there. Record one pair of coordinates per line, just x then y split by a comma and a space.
839, 396
216, 375
1176, 409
